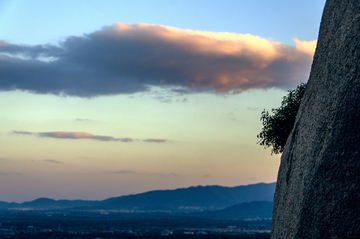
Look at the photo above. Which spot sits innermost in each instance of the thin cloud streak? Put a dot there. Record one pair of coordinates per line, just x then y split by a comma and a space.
84, 135
155, 140
83, 120
169, 175
123, 172
125, 59
22, 132
52, 161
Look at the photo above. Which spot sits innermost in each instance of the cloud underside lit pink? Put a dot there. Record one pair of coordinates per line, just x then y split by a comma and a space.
126, 58
83, 135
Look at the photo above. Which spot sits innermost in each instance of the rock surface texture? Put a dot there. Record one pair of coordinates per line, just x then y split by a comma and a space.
318, 187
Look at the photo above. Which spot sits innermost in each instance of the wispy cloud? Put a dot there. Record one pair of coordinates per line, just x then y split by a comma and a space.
252, 108
123, 172
155, 140
52, 161
169, 175
83, 120
124, 58
206, 176
22, 132
82, 135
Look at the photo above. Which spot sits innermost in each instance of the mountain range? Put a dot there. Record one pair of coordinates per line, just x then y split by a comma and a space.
192, 199
246, 210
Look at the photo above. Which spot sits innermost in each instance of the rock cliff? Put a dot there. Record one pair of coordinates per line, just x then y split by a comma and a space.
318, 187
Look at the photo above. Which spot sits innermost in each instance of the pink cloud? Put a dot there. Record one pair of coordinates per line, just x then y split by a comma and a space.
81, 135
305, 46
84, 135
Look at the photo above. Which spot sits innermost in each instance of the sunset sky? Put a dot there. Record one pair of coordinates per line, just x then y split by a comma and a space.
107, 98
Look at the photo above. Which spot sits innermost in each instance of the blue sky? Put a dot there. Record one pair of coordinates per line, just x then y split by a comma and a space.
41, 21
102, 99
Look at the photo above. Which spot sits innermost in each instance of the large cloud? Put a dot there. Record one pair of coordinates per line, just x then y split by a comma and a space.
129, 58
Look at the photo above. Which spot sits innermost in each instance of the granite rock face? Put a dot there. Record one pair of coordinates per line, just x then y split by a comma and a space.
318, 187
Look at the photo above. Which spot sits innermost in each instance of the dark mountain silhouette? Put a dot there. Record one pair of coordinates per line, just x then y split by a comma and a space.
247, 210
9, 205
198, 198
46, 203
193, 198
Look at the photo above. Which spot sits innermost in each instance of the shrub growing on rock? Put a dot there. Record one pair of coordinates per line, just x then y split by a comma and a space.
278, 124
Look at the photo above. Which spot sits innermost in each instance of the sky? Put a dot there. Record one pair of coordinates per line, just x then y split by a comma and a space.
101, 99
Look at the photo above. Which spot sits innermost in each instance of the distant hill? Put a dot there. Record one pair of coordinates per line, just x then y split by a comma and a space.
190, 199
46, 203
247, 210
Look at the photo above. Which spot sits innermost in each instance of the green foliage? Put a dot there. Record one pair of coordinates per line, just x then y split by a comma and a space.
278, 125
